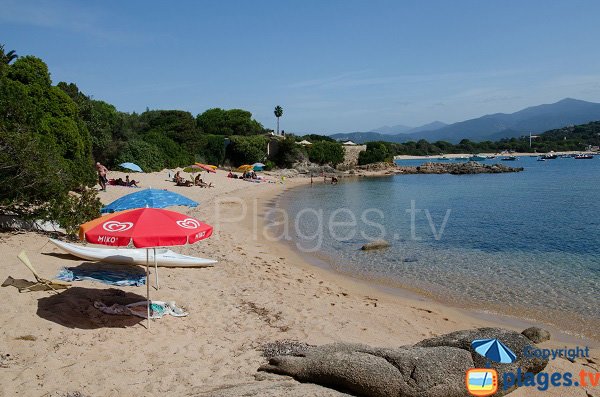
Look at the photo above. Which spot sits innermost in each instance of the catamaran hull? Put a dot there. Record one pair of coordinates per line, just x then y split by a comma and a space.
129, 256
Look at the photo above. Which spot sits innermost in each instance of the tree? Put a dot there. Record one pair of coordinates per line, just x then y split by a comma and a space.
6, 57
278, 113
218, 121
326, 153
247, 149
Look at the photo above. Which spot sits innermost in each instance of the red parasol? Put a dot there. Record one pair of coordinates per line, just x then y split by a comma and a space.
145, 228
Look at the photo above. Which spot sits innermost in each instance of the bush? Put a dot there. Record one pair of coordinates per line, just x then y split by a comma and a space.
324, 152
247, 149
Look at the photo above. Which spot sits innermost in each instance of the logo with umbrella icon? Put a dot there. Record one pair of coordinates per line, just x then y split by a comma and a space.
484, 381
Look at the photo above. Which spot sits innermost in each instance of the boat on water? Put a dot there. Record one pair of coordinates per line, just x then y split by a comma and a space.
477, 158
443, 158
508, 158
541, 159
584, 157
566, 156
550, 156
131, 256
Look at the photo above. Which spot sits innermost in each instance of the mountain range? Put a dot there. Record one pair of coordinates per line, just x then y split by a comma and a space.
492, 127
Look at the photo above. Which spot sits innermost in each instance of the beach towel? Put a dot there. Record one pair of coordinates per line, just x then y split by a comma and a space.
111, 277
158, 309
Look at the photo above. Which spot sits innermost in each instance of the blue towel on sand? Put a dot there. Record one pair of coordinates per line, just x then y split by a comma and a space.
112, 277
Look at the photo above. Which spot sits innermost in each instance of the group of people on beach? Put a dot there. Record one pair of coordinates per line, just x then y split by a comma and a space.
103, 179
180, 181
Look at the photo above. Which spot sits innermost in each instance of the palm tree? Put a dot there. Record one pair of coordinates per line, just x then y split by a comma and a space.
7, 57
278, 113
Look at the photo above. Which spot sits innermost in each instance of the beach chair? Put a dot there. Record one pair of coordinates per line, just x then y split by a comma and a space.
41, 283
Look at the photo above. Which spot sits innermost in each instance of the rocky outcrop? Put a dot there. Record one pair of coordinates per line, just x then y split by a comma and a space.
351, 154
536, 334
471, 167
375, 245
431, 368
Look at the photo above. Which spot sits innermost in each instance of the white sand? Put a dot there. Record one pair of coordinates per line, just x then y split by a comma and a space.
259, 292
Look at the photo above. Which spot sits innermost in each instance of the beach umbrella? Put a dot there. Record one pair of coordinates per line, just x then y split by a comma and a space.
193, 168
152, 198
131, 166
145, 228
494, 350
257, 166
207, 168
245, 167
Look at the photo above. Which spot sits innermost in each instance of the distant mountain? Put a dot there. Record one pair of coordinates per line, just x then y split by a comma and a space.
403, 129
535, 119
395, 129
436, 125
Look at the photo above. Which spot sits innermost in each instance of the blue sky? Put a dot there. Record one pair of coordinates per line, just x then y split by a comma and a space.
334, 66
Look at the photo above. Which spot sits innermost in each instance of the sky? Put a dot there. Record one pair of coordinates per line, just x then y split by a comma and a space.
334, 66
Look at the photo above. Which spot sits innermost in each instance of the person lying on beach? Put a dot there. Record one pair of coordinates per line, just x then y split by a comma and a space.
119, 182
182, 182
199, 182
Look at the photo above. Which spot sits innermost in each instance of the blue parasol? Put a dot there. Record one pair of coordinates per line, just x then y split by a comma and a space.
151, 198
494, 350
131, 166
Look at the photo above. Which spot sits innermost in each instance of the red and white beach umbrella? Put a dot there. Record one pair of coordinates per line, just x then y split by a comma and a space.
145, 228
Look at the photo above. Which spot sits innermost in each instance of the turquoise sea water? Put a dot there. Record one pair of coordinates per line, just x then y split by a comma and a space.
525, 244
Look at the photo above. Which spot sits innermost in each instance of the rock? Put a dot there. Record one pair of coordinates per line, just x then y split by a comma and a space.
471, 167
536, 334
289, 388
375, 245
434, 367
365, 371
285, 347
515, 342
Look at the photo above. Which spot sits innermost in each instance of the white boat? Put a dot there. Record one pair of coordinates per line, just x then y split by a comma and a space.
132, 256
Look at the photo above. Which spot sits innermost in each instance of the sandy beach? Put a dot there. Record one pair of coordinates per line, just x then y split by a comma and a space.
260, 291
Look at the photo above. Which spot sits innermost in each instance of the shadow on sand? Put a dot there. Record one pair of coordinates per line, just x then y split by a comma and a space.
74, 308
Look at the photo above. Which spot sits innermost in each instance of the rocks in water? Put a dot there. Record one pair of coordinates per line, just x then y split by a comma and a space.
375, 245
471, 167
434, 367
536, 334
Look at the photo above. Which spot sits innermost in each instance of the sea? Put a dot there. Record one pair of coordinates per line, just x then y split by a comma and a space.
523, 244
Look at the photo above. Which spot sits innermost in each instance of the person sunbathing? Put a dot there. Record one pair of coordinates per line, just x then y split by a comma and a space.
201, 183
132, 182
182, 182
177, 178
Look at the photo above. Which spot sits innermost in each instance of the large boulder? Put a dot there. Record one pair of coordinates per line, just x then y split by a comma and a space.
536, 334
514, 340
431, 368
361, 370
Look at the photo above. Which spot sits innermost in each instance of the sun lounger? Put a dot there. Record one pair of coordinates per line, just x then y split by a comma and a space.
41, 283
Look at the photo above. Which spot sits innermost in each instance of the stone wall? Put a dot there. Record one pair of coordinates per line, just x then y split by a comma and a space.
351, 156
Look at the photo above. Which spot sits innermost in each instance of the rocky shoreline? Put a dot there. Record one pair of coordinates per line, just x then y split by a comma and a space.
471, 167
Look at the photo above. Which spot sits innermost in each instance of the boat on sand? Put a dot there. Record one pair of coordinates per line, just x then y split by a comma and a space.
132, 256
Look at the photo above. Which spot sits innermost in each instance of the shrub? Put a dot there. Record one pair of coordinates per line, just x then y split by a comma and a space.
324, 152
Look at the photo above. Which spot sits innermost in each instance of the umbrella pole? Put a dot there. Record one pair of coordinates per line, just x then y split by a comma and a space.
156, 269
148, 288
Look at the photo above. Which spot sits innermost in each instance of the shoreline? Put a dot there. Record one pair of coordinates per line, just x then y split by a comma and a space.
323, 261
260, 291
462, 155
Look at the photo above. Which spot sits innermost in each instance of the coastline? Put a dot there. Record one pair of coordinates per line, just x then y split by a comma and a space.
260, 291
462, 155
492, 317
